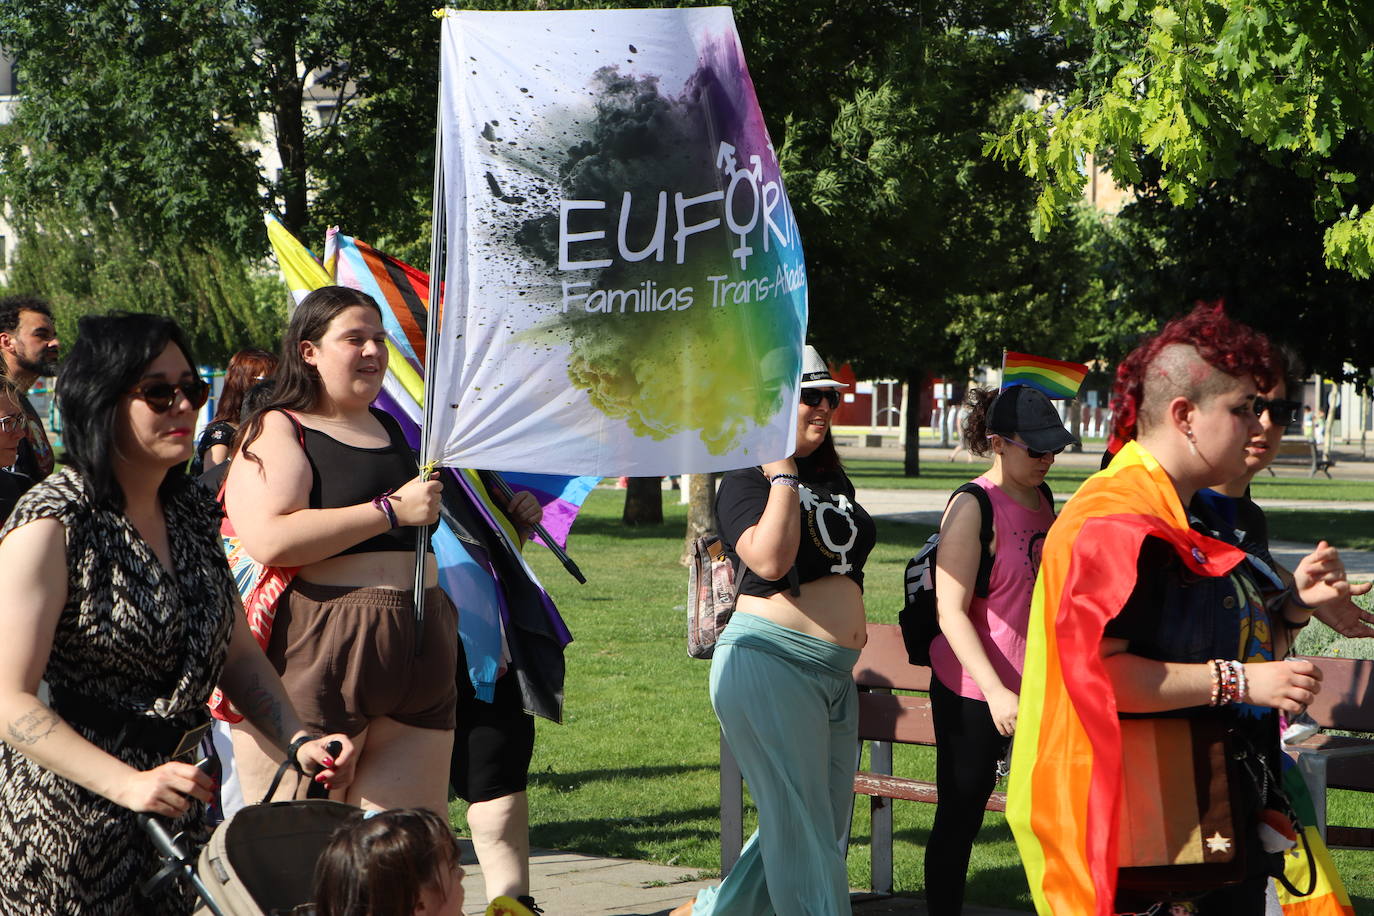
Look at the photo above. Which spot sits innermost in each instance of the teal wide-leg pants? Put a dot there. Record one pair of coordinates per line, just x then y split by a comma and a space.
789, 710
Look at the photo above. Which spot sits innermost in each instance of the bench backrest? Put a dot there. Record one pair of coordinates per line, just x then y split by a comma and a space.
883, 662
1346, 701
883, 666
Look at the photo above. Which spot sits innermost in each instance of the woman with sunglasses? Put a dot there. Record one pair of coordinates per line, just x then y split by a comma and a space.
324, 482
13, 431
983, 597
118, 598
782, 675
1238, 519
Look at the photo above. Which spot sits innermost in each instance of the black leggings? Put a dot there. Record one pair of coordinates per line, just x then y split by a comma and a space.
967, 749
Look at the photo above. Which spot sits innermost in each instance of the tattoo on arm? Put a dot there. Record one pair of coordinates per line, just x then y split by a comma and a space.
264, 710
32, 727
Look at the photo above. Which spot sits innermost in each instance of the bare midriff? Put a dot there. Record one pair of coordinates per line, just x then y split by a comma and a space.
377, 569
831, 608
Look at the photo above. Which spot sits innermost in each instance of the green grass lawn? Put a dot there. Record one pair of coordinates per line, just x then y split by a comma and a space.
633, 771
1343, 528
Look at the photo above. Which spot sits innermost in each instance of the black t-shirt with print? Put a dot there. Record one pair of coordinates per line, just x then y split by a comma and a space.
837, 535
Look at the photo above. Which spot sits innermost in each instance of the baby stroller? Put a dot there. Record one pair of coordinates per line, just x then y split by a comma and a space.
261, 861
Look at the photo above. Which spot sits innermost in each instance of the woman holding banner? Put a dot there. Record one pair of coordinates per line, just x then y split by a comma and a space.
326, 483
782, 675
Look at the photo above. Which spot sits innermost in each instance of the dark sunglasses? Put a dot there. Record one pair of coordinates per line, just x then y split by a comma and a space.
1281, 412
1032, 453
812, 397
160, 396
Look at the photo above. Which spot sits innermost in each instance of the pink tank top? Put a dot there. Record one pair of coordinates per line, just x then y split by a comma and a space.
1001, 618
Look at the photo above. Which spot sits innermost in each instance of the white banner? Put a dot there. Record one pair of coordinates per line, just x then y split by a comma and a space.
625, 291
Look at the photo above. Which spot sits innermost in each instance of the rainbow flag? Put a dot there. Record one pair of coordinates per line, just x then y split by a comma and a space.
1052, 377
1328, 897
1064, 796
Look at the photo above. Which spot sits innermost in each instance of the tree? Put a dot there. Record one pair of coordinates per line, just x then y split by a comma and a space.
149, 112
1252, 240
643, 501
920, 257
220, 302
1201, 86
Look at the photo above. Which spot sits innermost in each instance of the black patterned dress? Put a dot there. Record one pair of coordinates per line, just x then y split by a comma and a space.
131, 636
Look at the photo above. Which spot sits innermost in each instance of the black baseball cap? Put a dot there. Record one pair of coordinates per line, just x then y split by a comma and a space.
1024, 411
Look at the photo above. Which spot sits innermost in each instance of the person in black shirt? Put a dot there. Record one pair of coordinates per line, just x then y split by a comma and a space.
246, 368
782, 674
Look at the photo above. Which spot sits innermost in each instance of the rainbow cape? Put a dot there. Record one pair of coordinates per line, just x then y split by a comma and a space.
1064, 793
1052, 377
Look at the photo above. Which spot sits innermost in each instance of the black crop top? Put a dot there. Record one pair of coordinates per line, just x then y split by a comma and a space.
346, 475
837, 535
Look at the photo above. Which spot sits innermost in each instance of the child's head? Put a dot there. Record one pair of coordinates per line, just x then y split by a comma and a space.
393, 863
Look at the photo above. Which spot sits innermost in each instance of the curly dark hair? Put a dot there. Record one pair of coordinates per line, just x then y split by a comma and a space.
978, 403
11, 306
1233, 349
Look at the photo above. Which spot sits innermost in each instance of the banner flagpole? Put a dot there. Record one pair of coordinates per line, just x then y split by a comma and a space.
438, 228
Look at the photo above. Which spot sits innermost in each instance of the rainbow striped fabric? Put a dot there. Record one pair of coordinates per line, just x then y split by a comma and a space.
1064, 797
1052, 377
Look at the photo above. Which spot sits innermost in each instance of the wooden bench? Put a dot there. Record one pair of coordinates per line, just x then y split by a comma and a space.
885, 719
1301, 453
1346, 703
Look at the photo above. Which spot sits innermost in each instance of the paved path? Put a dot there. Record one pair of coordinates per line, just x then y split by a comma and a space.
924, 507
569, 884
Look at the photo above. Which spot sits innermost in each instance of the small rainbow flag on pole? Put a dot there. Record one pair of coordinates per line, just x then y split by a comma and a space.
1052, 377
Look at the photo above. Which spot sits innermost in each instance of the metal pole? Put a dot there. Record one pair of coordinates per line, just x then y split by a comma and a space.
436, 275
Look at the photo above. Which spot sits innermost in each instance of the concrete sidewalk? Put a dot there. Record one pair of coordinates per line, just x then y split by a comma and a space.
570, 884
924, 507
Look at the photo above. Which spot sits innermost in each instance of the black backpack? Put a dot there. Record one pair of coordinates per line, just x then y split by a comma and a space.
919, 619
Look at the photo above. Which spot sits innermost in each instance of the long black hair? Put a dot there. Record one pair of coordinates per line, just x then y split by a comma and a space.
110, 355
297, 382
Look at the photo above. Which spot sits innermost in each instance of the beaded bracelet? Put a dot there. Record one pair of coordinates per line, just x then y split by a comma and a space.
786, 480
1229, 683
383, 505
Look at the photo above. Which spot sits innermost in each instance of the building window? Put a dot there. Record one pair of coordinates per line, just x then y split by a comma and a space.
327, 114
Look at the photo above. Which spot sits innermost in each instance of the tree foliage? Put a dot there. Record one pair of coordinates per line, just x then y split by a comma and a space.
82, 266
1200, 87
919, 250
1252, 240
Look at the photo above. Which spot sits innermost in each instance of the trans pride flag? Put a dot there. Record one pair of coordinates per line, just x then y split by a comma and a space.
1065, 792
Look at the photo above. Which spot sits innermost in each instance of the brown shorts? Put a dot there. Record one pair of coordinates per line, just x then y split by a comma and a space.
346, 655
